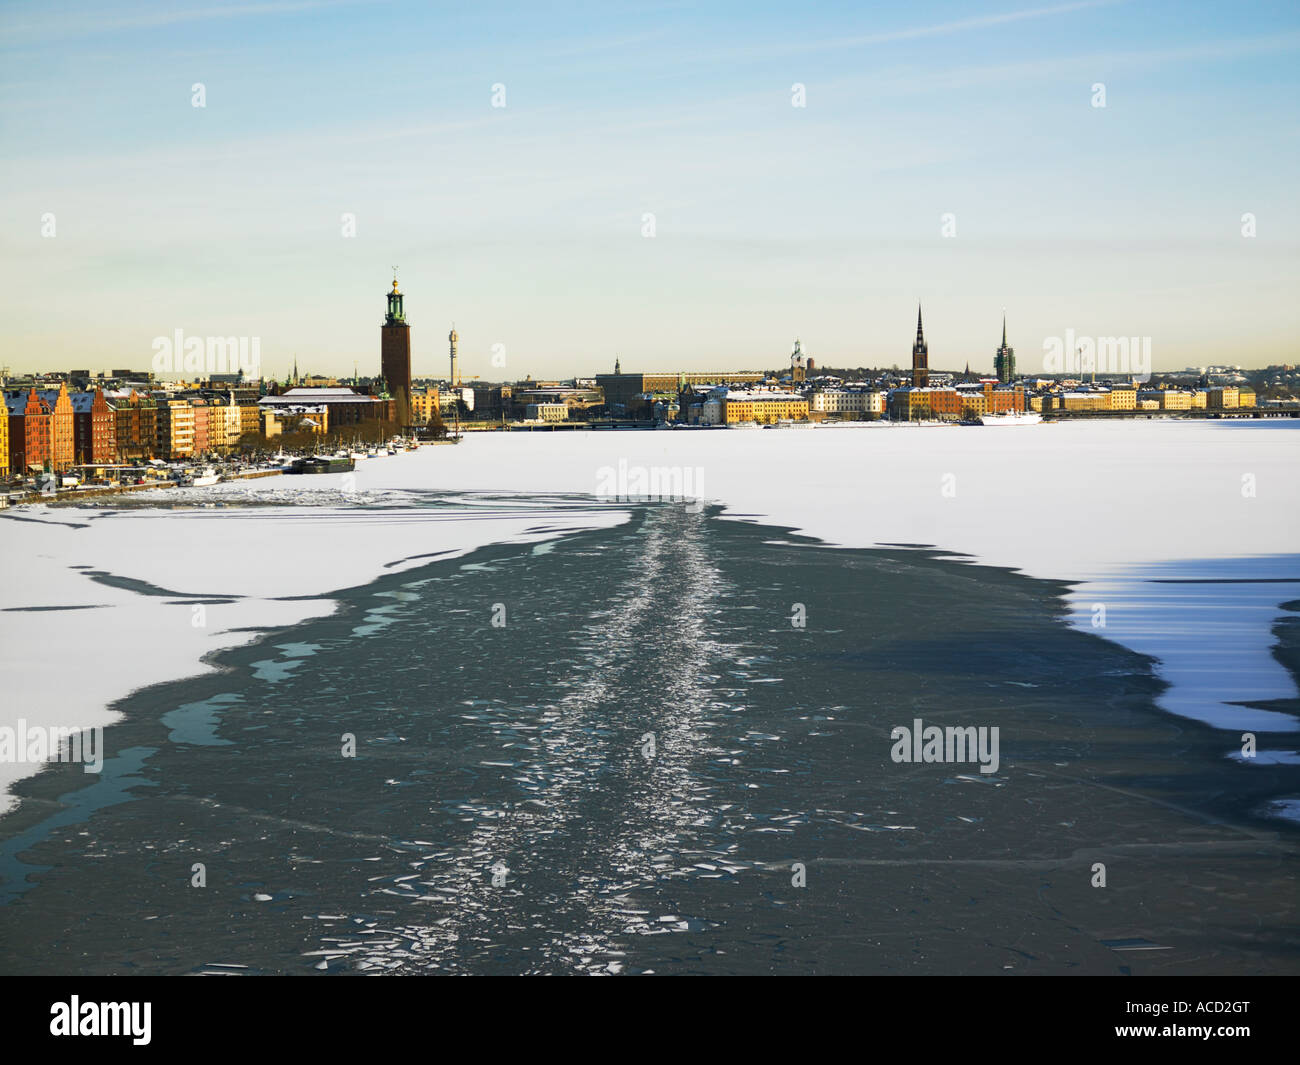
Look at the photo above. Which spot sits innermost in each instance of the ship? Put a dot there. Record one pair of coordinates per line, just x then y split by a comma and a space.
1012, 417
201, 479
323, 464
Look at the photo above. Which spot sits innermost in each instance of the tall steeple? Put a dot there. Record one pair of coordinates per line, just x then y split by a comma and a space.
920, 356
1004, 362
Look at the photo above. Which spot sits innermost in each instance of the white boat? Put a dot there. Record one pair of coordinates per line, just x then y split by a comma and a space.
1012, 417
204, 477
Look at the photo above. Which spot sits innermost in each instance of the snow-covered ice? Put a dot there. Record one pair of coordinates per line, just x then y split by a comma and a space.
1109, 506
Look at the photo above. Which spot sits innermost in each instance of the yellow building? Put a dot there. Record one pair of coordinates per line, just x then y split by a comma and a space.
1225, 398
175, 429
423, 404
250, 418
314, 419
764, 407
1246, 397
4, 438
1085, 401
1122, 398
546, 412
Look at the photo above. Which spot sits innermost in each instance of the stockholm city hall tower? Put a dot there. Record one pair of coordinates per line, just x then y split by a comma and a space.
395, 356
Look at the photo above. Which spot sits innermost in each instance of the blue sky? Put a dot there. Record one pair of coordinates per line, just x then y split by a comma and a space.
523, 224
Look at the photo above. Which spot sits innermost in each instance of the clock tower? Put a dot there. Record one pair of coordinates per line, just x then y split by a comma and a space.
395, 356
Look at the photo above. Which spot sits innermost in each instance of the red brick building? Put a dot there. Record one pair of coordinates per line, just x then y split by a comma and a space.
135, 424
31, 426
63, 451
94, 428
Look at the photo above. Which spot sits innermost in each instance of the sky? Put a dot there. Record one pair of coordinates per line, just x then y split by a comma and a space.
649, 190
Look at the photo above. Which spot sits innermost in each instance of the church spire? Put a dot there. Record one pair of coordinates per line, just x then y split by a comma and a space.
1004, 362
920, 356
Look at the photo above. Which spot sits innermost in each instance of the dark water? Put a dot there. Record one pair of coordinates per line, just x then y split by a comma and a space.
524, 747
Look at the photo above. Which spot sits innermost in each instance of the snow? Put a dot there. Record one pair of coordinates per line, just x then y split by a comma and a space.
63, 667
1106, 505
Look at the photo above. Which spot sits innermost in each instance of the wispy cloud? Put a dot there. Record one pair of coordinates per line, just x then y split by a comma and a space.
87, 23
976, 22
956, 26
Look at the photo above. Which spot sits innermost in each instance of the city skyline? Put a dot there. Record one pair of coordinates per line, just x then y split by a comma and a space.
525, 223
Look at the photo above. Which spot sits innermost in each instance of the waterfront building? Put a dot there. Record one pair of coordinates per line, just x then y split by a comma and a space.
295, 418
573, 398
834, 401
1123, 397
135, 424
346, 406
492, 401
622, 389
424, 402
175, 421
202, 444
1077, 401
546, 412
33, 440
1165, 399
952, 403
94, 428
225, 424
5, 467
452, 399
30, 432
249, 419
63, 452
765, 406
40, 430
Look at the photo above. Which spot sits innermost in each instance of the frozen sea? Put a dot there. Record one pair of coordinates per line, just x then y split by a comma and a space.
1119, 598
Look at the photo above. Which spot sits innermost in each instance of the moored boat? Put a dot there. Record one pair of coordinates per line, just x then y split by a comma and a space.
1012, 417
